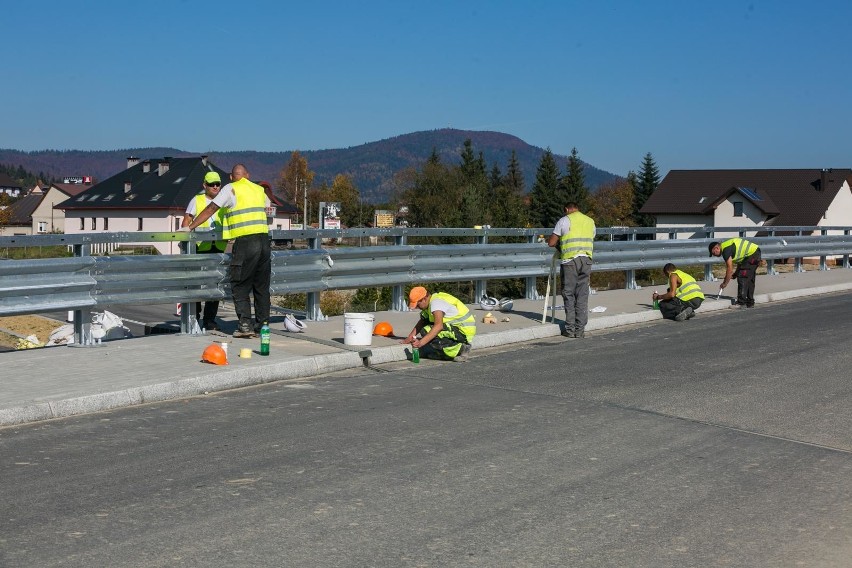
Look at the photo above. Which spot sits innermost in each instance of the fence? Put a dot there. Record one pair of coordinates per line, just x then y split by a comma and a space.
85, 281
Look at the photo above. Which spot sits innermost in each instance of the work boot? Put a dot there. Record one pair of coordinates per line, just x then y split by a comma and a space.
580, 334
244, 331
691, 314
463, 353
684, 315
568, 333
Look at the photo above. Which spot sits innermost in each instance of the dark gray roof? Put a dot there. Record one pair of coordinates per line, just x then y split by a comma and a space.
22, 209
789, 197
6, 181
172, 191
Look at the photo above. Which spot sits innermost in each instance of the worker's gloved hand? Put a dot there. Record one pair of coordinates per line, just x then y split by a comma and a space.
723, 284
184, 229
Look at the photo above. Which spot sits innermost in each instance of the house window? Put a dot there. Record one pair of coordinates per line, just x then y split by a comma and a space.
106, 223
139, 227
738, 208
177, 223
82, 224
94, 224
42, 226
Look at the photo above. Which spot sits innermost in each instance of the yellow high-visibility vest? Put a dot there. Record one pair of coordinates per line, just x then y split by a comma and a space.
580, 238
688, 288
248, 216
744, 249
463, 321
213, 223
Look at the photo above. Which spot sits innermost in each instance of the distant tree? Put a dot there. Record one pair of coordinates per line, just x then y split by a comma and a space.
509, 208
431, 194
546, 204
5, 211
645, 184
473, 186
612, 204
574, 182
294, 179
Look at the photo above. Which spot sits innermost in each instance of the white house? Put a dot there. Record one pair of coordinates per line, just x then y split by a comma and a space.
752, 198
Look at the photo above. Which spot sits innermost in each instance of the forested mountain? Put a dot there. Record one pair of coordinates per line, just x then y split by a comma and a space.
371, 166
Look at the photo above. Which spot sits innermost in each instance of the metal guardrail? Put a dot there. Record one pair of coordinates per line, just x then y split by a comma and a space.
33, 286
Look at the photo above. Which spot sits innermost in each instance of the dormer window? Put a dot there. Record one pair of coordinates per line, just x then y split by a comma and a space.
127, 187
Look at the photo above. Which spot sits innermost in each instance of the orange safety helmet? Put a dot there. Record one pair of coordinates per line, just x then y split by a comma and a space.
214, 354
383, 328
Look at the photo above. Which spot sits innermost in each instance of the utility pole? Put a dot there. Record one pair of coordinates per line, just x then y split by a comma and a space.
305, 201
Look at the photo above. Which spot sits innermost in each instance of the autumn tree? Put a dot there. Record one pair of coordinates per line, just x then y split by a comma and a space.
431, 195
546, 204
612, 204
5, 209
294, 180
343, 190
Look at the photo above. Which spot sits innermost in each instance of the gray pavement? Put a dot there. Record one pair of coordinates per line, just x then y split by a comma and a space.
43, 384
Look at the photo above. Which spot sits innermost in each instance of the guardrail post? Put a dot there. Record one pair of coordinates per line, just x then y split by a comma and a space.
708, 268
770, 263
531, 291
630, 275
188, 320
480, 286
80, 250
398, 303
312, 310
822, 263
797, 263
846, 256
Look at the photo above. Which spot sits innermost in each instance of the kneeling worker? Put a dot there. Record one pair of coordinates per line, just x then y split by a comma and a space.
446, 326
683, 297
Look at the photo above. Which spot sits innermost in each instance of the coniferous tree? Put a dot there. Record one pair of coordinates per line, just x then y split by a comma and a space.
546, 207
509, 209
473, 183
574, 183
644, 185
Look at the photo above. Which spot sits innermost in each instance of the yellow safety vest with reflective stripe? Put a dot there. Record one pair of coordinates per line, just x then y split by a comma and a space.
248, 216
213, 223
463, 321
744, 248
689, 288
580, 237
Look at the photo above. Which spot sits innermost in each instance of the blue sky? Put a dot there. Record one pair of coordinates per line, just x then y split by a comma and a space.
722, 84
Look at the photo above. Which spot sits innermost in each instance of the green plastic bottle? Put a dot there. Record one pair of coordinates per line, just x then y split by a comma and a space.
264, 339
415, 355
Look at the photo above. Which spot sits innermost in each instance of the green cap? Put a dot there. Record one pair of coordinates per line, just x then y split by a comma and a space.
211, 177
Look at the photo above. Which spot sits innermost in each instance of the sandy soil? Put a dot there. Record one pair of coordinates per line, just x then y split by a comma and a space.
27, 325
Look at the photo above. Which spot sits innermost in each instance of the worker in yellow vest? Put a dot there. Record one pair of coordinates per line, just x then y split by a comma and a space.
574, 239
211, 186
683, 297
445, 328
244, 221
746, 255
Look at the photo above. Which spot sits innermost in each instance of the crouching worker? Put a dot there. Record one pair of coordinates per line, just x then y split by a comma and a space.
683, 297
445, 328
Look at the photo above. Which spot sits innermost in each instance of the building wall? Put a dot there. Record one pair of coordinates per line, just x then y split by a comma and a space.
839, 213
46, 219
125, 221
724, 217
15, 230
680, 220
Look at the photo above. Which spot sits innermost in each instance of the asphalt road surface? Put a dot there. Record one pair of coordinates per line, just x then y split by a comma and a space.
722, 441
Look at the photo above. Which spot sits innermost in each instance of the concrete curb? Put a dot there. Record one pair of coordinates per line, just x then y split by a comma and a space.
302, 368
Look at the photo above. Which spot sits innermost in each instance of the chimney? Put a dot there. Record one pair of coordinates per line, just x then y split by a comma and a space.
146, 167
163, 166
132, 161
204, 160
826, 177
127, 187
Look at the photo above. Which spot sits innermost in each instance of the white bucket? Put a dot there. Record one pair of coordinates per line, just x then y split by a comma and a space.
358, 329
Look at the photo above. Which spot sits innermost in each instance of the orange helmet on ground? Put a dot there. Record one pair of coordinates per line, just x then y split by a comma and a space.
383, 328
214, 354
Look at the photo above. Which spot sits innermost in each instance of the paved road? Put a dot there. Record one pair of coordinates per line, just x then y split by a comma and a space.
723, 441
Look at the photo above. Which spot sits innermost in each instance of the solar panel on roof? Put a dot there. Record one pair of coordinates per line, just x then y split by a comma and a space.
750, 193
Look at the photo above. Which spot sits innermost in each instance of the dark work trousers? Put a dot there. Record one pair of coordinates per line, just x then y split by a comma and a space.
211, 307
251, 271
671, 308
575, 292
746, 274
